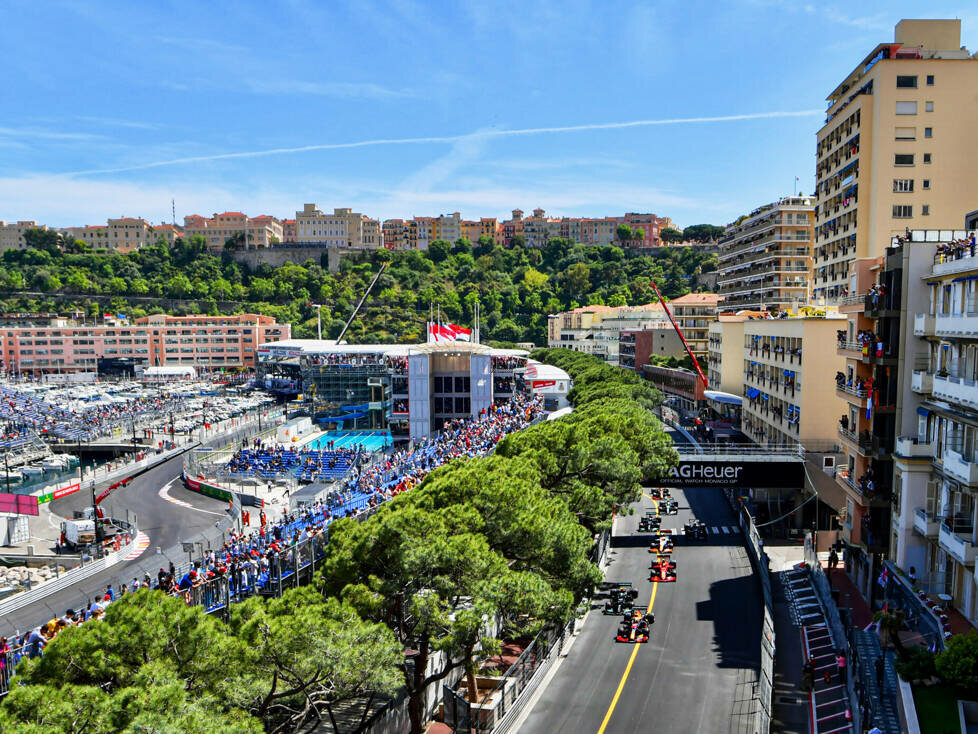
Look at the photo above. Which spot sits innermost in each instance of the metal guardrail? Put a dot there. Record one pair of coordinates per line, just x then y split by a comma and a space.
764, 690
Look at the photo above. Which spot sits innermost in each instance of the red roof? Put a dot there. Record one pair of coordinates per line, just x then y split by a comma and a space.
697, 299
230, 214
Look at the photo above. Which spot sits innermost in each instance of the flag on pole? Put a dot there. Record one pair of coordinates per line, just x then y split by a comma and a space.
884, 577
438, 334
461, 333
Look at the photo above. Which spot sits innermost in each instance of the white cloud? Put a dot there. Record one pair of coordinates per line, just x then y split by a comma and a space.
39, 134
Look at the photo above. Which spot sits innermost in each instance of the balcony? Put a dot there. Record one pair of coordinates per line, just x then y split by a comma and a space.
956, 390
863, 443
853, 395
958, 543
923, 324
922, 381
849, 349
959, 324
927, 525
911, 447
959, 468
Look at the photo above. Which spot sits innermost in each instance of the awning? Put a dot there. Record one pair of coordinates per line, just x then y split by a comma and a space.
923, 412
723, 397
965, 277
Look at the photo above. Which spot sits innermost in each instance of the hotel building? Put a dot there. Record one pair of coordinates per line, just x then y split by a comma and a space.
897, 149
765, 257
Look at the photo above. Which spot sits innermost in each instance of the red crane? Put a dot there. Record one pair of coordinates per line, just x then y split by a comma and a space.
706, 384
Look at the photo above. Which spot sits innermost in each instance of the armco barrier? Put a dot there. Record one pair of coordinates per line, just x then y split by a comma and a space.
764, 692
72, 577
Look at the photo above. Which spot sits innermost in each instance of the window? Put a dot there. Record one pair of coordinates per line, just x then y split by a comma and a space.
928, 132
926, 157
902, 211
903, 159
906, 82
903, 185
906, 108
906, 133
925, 184
928, 106
925, 209
930, 80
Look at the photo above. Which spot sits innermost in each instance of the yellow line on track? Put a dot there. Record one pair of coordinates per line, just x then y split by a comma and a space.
635, 648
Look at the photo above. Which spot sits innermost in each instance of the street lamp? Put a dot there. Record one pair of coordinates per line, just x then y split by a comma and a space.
319, 319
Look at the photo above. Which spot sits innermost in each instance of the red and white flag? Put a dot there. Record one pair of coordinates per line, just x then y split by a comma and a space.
461, 333
438, 333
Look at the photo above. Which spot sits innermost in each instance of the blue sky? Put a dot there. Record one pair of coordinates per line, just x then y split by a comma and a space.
406, 108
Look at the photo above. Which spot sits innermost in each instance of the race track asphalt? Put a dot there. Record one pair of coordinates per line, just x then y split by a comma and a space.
696, 672
165, 523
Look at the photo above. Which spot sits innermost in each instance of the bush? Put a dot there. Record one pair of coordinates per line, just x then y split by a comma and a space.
958, 663
918, 665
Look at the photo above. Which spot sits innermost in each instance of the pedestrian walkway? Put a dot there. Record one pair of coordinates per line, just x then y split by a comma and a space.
828, 697
879, 704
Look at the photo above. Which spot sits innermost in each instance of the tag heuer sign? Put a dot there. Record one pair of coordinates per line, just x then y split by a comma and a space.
736, 474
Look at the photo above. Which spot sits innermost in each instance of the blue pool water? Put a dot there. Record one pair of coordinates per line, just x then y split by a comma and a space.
367, 440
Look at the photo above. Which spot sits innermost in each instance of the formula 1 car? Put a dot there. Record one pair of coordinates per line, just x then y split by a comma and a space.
659, 493
694, 530
649, 522
636, 626
621, 597
662, 544
669, 507
663, 569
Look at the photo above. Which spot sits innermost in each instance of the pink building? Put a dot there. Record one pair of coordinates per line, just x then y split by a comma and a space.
204, 342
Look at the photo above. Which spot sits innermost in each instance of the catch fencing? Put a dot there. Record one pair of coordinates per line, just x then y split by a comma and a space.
764, 690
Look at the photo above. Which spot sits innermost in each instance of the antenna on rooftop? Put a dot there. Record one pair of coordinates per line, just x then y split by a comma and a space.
173, 211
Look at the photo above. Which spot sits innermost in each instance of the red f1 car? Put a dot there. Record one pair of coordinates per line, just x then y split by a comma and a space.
659, 493
635, 628
663, 570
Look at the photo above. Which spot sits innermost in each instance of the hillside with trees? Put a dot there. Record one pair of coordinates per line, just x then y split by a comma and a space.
515, 287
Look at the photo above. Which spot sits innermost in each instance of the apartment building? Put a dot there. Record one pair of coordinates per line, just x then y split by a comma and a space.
288, 231
169, 232
936, 449
206, 342
93, 235
897, 149
765, 257
650, 225
777, 369
12, 234
575, 329
473, 231
637, 347
694, 313
250, 232
725, 353
447, 227
343, 229
395, 235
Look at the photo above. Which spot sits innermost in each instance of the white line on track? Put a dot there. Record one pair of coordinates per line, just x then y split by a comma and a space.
165, 494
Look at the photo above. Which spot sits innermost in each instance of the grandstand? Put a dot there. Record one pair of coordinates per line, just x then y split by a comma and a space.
21, 445
305, 465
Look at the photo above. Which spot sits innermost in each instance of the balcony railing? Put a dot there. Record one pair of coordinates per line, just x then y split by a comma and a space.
864, 443
913, 447
958, 467
956, 390
858, 392
922, 381
847, 346
957, 541
959, 324
923, 324
926, 524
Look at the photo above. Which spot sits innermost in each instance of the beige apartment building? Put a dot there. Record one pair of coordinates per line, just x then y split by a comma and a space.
694, 313
12, 234
254, 232
725, 354
343, 229
786, 363
765, 257
898, 149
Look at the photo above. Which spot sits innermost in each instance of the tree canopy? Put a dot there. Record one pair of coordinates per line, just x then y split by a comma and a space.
515, 287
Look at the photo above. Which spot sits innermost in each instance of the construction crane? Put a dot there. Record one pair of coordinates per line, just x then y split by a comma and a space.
696, 364
383, 267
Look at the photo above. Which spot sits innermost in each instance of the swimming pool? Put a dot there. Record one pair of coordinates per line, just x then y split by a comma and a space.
368, 440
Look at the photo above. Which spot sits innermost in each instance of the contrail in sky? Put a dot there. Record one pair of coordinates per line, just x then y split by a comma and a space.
447, 139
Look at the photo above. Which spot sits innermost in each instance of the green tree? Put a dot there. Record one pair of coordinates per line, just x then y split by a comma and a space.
670, 235
439, 250
624, 233
702, 232
957, 664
